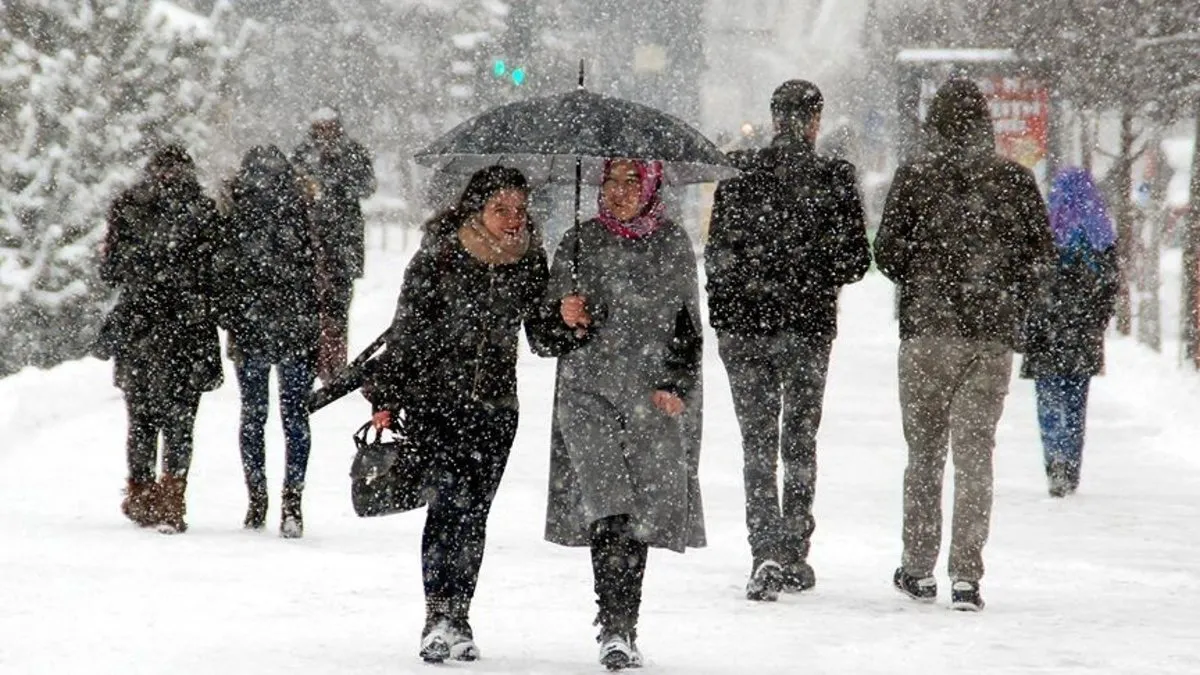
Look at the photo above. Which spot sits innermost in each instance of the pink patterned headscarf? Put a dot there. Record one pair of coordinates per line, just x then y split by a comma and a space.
649, 217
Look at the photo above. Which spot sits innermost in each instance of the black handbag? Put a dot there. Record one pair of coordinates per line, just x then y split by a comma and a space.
388, 476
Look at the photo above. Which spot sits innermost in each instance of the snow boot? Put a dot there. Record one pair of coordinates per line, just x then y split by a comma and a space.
766, 580
1073, 471
172, 491
256, 511
798, 576
291, 522
965, 597
141, 502
461, 640
919, 589
435, 639
616, 650
1057, 478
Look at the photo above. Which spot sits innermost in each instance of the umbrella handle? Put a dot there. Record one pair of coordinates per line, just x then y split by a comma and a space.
578, 234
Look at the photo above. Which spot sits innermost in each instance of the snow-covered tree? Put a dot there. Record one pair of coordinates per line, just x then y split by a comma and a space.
87, 87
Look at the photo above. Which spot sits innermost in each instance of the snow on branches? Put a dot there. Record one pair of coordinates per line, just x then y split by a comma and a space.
86, 89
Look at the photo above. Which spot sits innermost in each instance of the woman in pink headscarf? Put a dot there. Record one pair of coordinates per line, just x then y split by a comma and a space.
626, 429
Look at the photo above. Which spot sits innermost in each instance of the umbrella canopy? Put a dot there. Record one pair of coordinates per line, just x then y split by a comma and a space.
544, 136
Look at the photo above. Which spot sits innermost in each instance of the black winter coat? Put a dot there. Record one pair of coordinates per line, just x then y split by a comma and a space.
1065, 329
344, 176
454, 337
784, 237
268, 269
158, 253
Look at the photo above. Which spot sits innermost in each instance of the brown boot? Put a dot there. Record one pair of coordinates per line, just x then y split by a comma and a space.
141, 502
171, 506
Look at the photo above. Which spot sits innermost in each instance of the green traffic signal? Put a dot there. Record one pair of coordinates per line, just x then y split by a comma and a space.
500, 70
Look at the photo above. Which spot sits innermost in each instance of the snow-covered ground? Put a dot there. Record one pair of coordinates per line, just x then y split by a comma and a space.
1105, 582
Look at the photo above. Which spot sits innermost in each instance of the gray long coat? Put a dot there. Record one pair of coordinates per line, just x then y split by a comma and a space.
612, 451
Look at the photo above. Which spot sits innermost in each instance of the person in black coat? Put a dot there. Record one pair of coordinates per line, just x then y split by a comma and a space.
785, 236
337, 173
449, 369
268, 267
162, 333
1065, 330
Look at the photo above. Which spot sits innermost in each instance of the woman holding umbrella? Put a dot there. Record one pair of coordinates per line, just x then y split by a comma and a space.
626, 427
450, 367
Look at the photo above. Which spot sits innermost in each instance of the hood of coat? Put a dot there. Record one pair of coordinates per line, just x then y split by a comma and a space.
959, 122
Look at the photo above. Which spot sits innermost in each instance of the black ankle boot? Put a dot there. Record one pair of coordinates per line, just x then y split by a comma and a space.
256, 510
291, 522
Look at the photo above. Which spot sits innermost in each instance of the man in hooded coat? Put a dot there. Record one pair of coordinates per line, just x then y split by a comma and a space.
337, 174
966, 240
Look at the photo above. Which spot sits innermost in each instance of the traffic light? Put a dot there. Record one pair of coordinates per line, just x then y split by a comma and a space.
501, 71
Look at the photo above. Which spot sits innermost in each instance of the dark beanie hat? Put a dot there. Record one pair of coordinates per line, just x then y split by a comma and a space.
798, 100
487, 182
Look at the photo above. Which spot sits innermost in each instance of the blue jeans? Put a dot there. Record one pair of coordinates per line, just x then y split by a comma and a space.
1062, 416
295, 375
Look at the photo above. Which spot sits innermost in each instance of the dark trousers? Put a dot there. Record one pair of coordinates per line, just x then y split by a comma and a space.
1062, 416
778, 386
469, 449
334, 299
295, 378
174, 417
618, 568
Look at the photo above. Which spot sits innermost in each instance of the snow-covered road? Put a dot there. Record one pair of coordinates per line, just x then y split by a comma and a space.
1105, 582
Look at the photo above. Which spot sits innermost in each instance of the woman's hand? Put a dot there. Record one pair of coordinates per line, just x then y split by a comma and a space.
382, 420
667, 402
574, 312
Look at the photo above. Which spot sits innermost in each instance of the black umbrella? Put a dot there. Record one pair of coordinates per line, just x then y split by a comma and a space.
566, 138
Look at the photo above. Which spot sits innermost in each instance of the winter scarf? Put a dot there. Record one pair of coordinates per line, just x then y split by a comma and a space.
1077, 212
649, 217
490, 249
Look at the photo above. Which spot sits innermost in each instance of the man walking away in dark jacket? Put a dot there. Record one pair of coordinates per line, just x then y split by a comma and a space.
785, 236
337, 173
965, 238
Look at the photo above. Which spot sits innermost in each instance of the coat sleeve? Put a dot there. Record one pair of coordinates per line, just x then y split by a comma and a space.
686, 349
544, 328
726, 244
115, 251
210, 225
413, 335
1105, 299
683, 355
847, 251
551, 336
362, 174
895, 243
1039, 255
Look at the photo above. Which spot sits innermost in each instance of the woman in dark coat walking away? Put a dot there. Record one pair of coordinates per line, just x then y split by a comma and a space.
1065, 330
163, 331
450, 368
625, 442
270, 308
